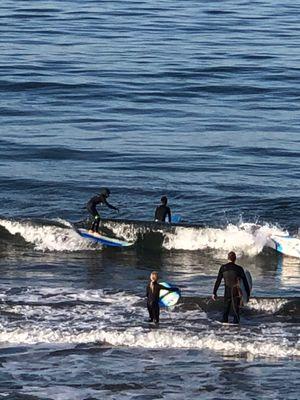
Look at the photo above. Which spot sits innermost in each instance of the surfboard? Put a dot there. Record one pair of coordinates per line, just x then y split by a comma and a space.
166, 298
106, 241
175, 218
287, 245
242, 287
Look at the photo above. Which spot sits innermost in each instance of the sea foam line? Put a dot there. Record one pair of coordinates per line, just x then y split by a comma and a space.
162, 339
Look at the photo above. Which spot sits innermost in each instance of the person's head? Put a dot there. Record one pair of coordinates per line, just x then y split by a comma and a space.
232, 256
164, 200
105, 192
154, 276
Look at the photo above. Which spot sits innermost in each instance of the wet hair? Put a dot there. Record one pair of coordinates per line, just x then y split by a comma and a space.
154, 273
164, 200
232, 256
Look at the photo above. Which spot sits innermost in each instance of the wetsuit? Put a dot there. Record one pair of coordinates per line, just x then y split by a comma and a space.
162, 212
91, 207
232, 274
152, 295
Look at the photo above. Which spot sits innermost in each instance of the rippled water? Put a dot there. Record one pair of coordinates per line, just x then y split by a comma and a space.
196, 100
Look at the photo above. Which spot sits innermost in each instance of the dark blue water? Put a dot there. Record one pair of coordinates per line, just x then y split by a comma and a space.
198, 101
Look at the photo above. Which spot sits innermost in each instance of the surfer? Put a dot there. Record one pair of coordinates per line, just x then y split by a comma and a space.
100, 198
162, 211
231, 273
152, 294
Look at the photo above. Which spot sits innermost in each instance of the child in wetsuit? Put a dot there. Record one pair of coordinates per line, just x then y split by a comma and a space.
152, 294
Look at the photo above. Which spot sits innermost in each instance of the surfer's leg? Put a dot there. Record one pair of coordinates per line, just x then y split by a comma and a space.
156, 312
96, 221
236, 309
227, 304
150, 311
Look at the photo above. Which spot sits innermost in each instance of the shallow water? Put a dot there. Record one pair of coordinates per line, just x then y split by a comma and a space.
198, 101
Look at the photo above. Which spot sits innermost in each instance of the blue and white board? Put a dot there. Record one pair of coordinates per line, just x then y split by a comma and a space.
107, 241
288, 245
242, 286
166, 298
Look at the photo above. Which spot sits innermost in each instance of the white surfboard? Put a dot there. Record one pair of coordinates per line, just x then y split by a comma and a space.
243, 289
166, 298
107, 241
287, 245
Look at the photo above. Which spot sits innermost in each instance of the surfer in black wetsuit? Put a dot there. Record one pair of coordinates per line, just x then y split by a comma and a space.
152, 294
232, 274
162, 211
100, 198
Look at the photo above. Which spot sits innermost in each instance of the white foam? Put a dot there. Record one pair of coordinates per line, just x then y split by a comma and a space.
114, 318
48, 237
245, 238
157, 339
248, 239
270, 306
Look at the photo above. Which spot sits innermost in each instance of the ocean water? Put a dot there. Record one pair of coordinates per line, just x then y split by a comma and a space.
195, 100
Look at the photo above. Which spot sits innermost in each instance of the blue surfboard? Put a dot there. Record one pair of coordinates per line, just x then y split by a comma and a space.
166, 298
106, 241
175, 218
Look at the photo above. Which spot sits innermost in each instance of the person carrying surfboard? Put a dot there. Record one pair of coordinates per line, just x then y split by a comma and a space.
162, 211
100, 198
152, 294
232, 274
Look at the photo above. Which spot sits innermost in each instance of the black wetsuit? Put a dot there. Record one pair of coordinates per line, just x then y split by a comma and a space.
91, 207
162, 212
232, 274
153, 299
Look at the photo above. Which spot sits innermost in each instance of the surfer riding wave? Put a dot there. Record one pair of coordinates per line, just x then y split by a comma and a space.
91, 206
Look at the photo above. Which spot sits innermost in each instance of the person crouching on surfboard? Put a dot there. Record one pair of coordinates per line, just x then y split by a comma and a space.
91, 207
231, 273
152, 294
162, 211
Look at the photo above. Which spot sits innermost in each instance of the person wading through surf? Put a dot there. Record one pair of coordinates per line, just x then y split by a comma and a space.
100, 198
152, 294
232, 274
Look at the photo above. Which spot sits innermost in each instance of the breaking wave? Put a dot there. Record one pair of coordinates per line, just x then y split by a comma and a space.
46, 236
247, 239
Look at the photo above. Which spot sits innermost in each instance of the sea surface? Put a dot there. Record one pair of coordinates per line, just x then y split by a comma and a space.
196, 100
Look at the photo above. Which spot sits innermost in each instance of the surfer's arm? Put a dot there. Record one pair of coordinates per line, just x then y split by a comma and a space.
171, 289
169, 215
155, 214
218, 282
110, 205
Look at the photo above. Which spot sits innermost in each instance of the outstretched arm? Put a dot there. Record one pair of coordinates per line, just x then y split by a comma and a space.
110, 205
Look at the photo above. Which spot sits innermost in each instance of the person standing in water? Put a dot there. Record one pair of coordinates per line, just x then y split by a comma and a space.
100, 198
232, 274
152, 294
163, 211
